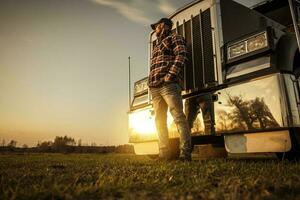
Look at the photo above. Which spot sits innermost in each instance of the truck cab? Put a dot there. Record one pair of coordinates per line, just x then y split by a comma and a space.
241, 81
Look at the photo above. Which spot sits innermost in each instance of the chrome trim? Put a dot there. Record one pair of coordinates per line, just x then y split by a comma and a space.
292, 96
184, 8
252, 105
184, 69
146, 148
218, 39
274, 141
193, 60
283, 102
202, 48
295, 23
246, 45
129, 83
250, 68
296, 84
194, 10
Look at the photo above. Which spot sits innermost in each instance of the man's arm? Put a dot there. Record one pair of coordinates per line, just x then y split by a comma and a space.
180, 52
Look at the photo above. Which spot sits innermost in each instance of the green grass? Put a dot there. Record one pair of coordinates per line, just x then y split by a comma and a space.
114, 176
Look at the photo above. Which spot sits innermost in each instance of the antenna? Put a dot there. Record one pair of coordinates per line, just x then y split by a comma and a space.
129, 83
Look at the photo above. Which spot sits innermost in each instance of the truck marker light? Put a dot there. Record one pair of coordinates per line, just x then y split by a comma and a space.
237, 50
248, 45
140, 87
257, 42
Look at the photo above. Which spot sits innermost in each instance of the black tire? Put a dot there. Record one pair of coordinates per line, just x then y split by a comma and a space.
290, 156
294, 153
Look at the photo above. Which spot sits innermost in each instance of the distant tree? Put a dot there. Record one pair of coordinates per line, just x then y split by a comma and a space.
46, 143
12, 144
62, 143
79, 143
3, 143
25, 146
45, 146
93, 144
126, 148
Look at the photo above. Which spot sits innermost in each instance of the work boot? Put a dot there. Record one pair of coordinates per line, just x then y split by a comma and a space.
185, 158
164, 156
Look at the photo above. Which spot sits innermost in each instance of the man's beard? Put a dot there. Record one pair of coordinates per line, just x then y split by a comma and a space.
162, 32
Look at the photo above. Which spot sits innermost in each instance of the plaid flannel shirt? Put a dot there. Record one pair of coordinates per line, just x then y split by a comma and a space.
169, 56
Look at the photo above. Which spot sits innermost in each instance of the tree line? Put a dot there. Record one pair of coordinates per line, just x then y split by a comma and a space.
64, 144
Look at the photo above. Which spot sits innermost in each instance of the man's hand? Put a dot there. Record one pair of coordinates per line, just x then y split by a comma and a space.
169, 77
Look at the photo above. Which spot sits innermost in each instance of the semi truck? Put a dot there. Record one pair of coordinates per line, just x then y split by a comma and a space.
241, 81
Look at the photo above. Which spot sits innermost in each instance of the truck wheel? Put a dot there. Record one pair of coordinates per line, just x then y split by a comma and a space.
290, 156
294, 153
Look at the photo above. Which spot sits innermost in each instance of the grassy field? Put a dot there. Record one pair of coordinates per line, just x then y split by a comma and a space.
117, 176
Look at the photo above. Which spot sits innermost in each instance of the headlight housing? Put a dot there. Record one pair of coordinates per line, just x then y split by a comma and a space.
140, 87
256, 42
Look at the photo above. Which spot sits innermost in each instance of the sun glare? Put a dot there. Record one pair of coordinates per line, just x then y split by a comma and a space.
142, 122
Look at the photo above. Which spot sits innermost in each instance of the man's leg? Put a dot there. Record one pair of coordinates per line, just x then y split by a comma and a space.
172, 95
160, 109
191, 110
207, 108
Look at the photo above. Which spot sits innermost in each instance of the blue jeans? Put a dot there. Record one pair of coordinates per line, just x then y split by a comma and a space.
169, 95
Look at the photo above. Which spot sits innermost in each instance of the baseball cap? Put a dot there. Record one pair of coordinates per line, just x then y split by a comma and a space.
166, 21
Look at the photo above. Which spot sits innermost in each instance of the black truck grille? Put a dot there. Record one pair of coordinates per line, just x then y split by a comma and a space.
199, 71
200, 68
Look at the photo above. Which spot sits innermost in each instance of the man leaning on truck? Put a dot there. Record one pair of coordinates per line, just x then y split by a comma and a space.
169, 55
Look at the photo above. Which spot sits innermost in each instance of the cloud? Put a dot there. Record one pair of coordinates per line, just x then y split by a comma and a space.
125, 9
166, 7
143, 12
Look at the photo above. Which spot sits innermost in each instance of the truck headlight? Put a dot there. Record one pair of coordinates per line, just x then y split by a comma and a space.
237, 50
142, 126
140, 87
142, 123
251, 44
257, 42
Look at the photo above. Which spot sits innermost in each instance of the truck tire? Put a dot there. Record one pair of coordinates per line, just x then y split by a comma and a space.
294, 153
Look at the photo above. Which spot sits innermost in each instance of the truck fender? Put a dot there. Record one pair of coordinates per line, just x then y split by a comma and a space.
286, 50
